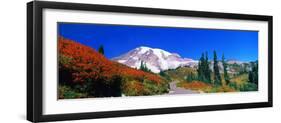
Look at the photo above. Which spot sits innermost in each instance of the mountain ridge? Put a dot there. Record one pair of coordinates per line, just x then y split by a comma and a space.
155, 59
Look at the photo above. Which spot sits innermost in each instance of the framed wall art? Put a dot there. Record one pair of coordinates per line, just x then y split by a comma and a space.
95, 61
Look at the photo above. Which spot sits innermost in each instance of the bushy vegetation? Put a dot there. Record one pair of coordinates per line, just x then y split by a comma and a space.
190, 77
195, 85
65, 92
247, 86
205, 87
84, 72
213, 80
165, 75
180, 74
242, 83
143, 86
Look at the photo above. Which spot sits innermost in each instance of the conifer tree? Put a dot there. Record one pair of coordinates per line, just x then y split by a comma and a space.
251, 79
225, 74
101, 50
143, 67
162, 73
253, 74
200, 69
217, 77
204, 72
207, 71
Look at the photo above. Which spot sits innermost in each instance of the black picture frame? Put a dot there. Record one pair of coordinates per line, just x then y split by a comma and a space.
35, 69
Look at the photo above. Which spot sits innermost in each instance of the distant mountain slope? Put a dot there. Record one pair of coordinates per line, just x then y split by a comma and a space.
155, 59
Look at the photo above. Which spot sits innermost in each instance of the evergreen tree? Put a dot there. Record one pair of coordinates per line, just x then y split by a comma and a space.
225, 74
207, 71
217, 77
200, 69
251, 79
162, 73
143, 67
256, 74
204, 72
101, 50
253, 74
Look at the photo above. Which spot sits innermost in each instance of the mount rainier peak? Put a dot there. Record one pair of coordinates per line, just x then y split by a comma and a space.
155, 59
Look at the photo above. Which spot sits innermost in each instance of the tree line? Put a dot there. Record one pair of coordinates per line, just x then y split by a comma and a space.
204, 71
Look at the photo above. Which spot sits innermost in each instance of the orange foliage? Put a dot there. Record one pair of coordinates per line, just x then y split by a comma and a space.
196, 85
86, 63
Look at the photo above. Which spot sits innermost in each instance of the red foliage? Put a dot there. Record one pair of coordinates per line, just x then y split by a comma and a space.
86, 63
196, 85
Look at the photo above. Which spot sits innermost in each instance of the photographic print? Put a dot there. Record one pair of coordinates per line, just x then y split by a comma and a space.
87, 61
103, 60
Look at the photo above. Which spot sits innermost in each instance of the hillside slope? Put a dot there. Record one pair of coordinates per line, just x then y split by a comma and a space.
86, 71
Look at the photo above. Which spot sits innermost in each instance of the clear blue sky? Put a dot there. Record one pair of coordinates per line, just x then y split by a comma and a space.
187, 42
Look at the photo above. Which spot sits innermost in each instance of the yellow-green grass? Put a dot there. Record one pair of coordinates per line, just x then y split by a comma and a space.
240, 79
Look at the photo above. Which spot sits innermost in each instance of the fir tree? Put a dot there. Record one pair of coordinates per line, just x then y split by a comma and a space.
217, 77
253, 74
101, 50
204, 72
251, 79
143, 67
225, 74
162, 73
200, 69
207, 71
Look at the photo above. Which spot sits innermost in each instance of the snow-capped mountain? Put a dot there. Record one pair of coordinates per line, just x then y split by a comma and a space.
155, 59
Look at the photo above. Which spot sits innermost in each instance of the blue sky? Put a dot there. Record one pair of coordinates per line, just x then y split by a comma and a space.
187, 42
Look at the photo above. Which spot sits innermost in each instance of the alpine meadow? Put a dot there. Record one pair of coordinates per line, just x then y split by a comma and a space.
104, 60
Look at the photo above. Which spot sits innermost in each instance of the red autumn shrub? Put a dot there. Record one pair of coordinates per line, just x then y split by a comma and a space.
85, 63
